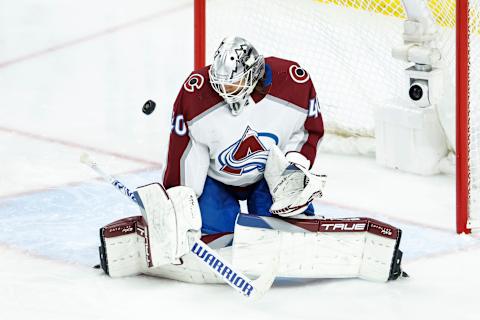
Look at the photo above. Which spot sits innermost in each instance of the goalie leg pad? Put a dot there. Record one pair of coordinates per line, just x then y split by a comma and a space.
194, 271
173, 219
124, 249
318, 248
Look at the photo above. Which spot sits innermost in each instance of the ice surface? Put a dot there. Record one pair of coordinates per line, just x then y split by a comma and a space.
73, 78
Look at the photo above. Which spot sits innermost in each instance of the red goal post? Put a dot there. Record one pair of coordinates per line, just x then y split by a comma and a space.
465, 142
462, 117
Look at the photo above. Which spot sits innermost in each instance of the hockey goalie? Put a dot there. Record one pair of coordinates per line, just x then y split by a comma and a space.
246, 129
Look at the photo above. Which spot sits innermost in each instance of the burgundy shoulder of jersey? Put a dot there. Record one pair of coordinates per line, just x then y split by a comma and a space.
290, 82
196, 95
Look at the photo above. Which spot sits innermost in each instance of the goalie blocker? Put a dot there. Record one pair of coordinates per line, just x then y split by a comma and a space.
302, 248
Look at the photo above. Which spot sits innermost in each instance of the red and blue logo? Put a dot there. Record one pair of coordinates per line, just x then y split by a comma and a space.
247, 154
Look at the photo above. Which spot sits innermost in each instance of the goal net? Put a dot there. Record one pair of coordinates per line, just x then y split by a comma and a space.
346, 45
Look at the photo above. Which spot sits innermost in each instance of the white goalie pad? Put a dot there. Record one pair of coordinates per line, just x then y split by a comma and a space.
301, 248
194, 271
173, 219
292, 186
125, 251
318, 248
188, 218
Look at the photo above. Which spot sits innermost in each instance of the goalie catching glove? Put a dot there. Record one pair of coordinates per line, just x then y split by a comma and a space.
292, 186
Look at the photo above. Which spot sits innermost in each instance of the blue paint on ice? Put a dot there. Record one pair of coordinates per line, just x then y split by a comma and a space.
63, 223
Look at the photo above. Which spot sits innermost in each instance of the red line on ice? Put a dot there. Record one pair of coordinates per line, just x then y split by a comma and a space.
86, 38
68, 184
78, 146
371, 213
472, 247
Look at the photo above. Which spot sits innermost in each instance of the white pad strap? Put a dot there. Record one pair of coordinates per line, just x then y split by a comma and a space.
173, 220
188, 218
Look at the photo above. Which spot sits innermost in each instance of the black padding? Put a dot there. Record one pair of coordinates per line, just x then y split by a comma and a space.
103, 252
395, 267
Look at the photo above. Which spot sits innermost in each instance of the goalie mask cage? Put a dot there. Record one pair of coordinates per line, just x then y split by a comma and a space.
346, 46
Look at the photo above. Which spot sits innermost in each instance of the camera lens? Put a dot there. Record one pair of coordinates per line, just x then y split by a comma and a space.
415, 92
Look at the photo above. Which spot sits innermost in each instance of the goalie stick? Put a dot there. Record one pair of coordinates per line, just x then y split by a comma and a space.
237, 280
85, 159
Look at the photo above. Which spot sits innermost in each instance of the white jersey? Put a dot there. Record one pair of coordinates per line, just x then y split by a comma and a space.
207, 139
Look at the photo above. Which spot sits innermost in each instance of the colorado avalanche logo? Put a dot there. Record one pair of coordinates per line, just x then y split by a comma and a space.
195, 81
247, 154
298, 74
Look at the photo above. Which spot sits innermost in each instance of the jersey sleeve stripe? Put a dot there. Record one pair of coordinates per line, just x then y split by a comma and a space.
302, 142
175, 161
183, 161
314, 127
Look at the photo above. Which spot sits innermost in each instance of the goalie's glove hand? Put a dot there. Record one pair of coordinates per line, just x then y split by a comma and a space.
292, 186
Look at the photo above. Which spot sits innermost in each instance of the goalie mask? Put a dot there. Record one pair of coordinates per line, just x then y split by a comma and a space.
235, 71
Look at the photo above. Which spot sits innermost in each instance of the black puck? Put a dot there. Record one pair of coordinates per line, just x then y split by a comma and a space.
148, 107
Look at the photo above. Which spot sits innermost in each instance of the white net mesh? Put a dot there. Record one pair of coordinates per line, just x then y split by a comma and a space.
280, 30
346, 46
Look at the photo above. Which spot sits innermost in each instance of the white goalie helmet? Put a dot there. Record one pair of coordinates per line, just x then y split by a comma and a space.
235, 71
